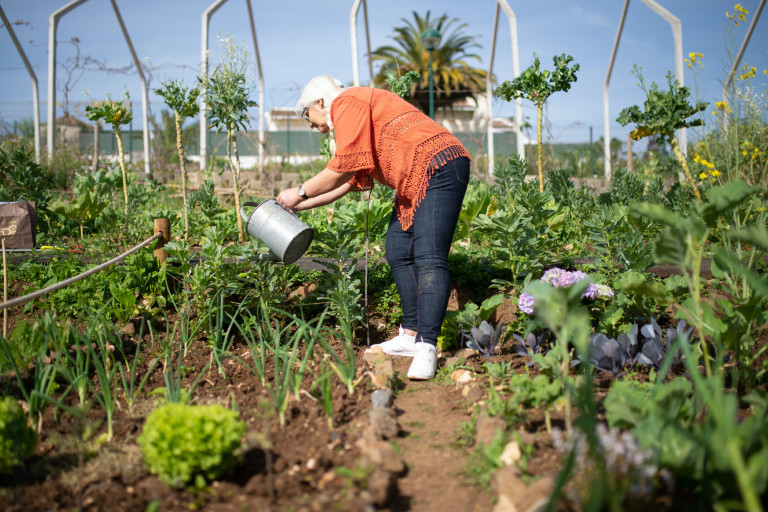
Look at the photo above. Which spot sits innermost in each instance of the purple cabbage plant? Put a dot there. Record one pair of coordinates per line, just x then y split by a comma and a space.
485, 338
531, 345
655, 343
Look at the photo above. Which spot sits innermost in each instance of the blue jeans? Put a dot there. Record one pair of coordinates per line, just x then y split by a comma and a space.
419, 256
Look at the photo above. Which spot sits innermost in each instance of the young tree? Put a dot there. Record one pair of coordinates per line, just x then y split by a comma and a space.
116, 113
226, 94
537, 86
665, 112
183, 103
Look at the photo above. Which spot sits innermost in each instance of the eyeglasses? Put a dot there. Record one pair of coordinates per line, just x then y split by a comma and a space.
305, 113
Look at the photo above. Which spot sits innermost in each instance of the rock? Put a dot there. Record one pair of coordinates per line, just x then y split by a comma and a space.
381, 398
472, 393
382, 485
384, 423
517, 496
487, 427
129, 329
465, 378
511, 453
465, 353
382, 454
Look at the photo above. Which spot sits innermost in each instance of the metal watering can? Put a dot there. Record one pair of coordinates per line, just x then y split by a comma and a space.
284, 233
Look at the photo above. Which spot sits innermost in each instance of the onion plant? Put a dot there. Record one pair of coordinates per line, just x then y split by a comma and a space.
105, 366
128, 376
116, 112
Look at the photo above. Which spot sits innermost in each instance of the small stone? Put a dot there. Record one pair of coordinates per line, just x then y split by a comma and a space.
311, 464
465, 353
382, 454
472, 393
384, 423
129, 329
511, 453
381, 398
464, 378
487, 427
381, 486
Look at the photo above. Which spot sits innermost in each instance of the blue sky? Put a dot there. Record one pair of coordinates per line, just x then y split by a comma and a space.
302, 38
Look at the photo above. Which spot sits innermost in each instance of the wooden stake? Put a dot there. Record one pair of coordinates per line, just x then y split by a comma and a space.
162, 226
5, 292
629, 154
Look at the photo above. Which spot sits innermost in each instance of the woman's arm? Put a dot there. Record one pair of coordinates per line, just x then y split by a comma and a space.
316, 187
324, 199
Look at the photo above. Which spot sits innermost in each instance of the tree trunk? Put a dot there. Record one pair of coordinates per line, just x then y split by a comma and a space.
539, 113
236, 182
180, 150
122, 170
681, 159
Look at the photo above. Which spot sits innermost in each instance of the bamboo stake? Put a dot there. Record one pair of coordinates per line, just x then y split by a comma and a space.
5, 292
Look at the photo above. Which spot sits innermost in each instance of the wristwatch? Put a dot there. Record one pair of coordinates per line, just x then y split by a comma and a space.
302, 192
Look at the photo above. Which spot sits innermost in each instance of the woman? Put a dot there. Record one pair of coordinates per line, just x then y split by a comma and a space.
379, 136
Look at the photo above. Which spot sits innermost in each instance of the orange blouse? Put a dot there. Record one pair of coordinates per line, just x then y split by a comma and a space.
383, 137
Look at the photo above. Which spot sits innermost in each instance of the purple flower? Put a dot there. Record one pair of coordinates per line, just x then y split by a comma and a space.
525, 303
553, 275
570, 278
597, 290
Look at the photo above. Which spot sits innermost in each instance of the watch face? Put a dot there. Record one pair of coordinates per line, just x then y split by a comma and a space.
302, 192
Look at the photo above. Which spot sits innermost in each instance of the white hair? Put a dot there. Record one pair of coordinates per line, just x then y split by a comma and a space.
321, 87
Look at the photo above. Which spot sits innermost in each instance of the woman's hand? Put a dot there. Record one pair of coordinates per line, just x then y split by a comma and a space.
289, 198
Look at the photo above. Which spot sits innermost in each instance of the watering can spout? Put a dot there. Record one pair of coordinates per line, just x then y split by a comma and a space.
284, 233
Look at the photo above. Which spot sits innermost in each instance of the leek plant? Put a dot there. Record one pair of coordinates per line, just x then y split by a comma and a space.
128, 376
105, 367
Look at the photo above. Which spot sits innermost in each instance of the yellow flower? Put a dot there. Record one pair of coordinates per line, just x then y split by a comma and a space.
740, 9
703, 175
723, 106
715, 173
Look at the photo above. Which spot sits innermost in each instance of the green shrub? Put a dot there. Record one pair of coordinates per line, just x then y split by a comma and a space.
17, 440
182, 442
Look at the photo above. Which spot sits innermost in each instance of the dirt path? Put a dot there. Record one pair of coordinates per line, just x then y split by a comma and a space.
430, 415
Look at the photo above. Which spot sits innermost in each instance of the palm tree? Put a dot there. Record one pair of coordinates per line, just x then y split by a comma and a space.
454, 78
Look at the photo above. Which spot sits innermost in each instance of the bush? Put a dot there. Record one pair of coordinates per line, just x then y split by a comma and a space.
17, 440
182, 442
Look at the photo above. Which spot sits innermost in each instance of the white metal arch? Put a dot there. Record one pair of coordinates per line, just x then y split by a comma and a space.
503, 4
53, 22
677, 33
33, 77
206, 21
353, 36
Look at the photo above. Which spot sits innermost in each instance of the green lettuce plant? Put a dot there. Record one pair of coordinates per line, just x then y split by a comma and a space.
537, 86
186, 443
17, 440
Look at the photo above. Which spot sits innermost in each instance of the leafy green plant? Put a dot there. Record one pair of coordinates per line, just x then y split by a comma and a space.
183, 103
537, 86
117, 113
83, 209
401, 85
17, 440
131, 390
665, 112
184, 443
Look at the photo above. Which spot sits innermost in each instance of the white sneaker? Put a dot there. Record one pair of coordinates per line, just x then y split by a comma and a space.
401, 345
424, 362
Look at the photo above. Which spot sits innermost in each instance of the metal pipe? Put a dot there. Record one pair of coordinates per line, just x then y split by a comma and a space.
739, 55
53, 22
261, 87
512, 18
368, 42
677, 34
203, 72
606, 120
33, 77
144, 90
353, 37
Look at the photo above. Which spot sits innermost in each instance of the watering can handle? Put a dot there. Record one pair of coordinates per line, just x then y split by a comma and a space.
242, 209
